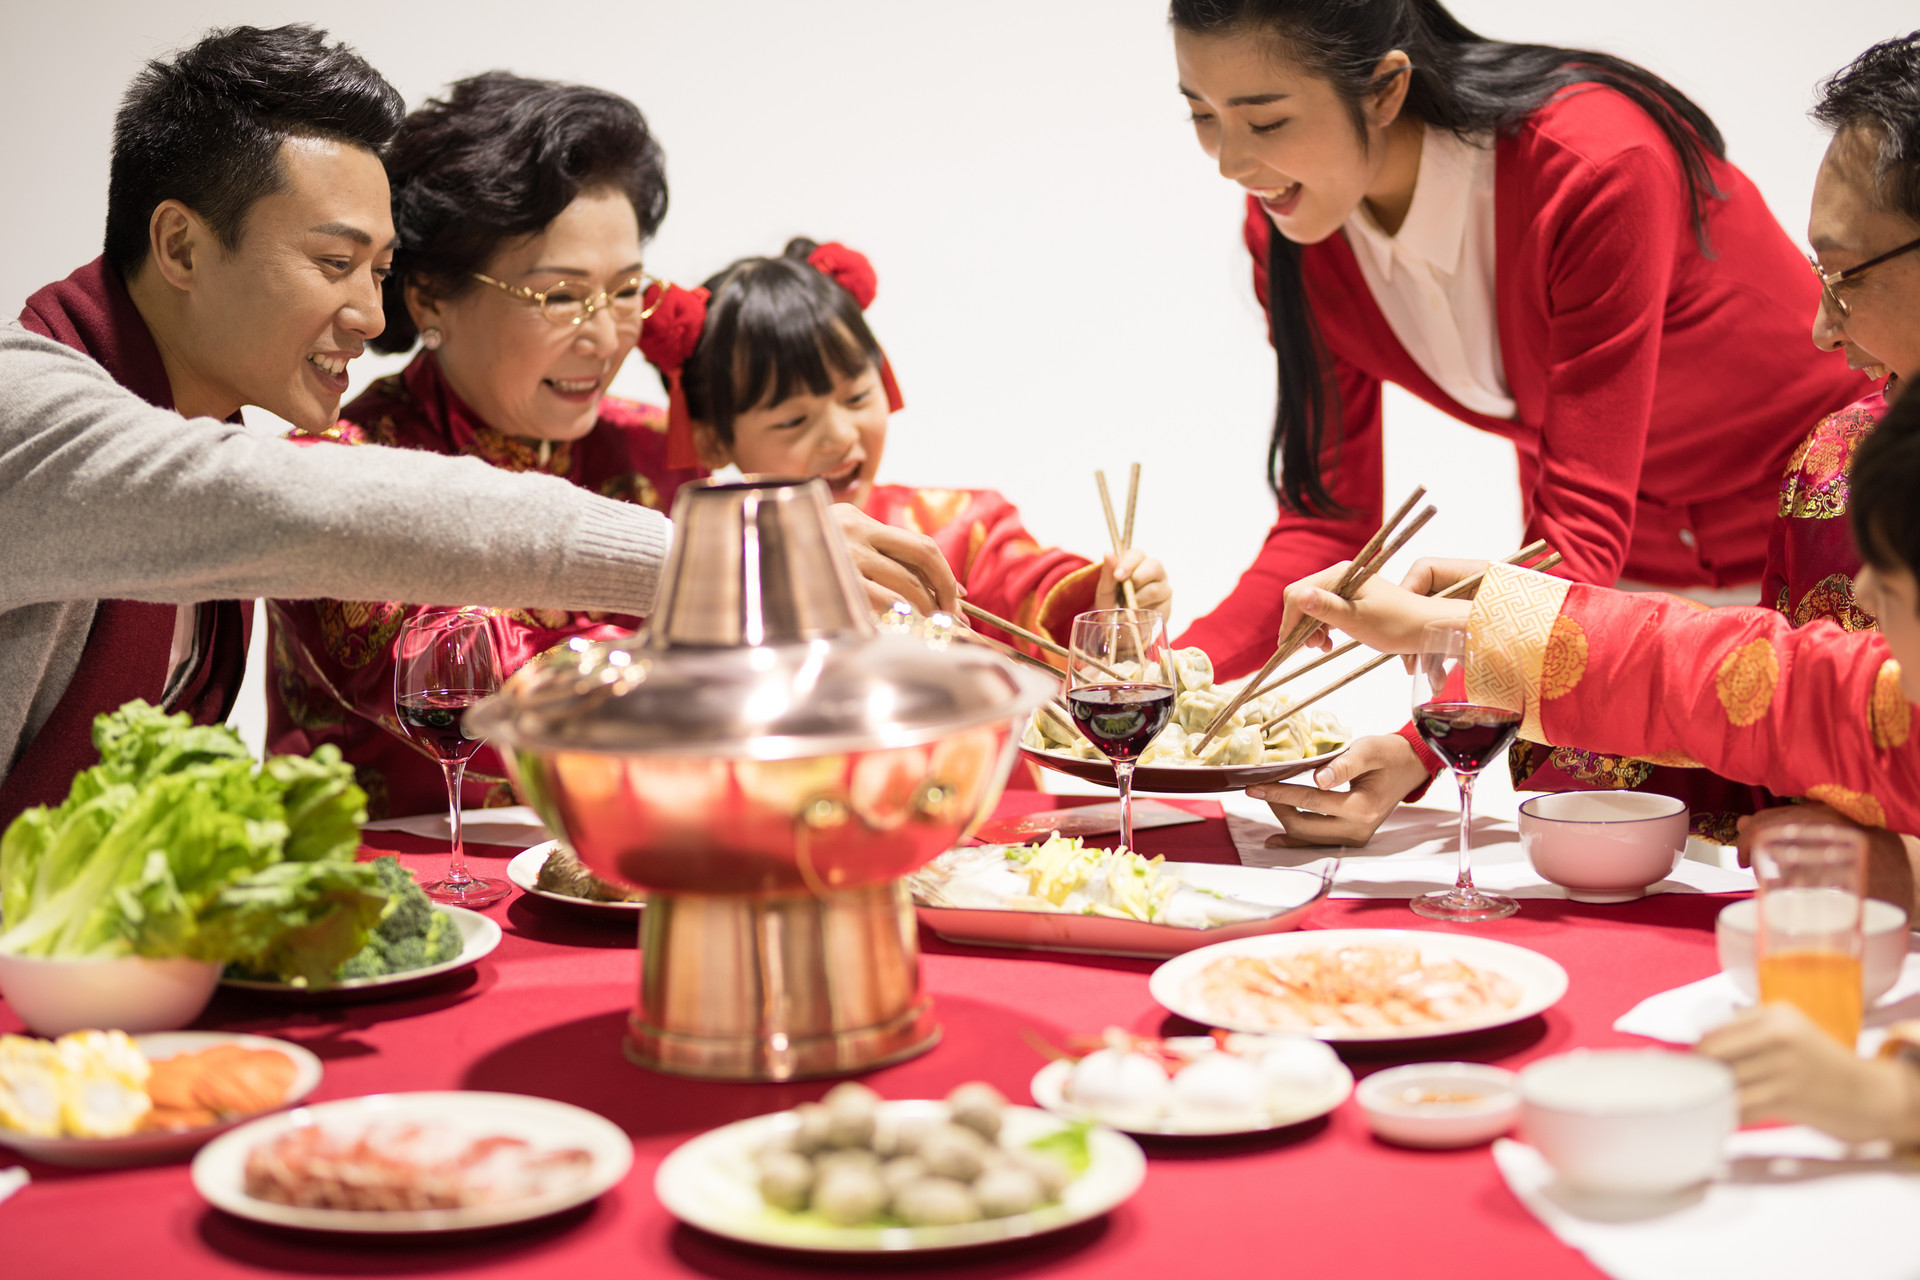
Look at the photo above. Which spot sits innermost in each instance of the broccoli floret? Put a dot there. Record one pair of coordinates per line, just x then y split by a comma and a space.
410, 935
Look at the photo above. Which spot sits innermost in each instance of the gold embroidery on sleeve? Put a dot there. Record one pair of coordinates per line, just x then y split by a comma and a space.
1746, 679
1857, 805
1566, 658
1513, 615
1889, 711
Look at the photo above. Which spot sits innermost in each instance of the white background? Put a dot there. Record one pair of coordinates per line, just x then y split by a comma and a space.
1062, 285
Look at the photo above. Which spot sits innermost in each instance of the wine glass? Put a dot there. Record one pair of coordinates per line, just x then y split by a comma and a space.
1119, 691
444, 664
1466, 736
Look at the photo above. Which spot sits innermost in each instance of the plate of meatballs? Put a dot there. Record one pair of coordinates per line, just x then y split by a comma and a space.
855, 1173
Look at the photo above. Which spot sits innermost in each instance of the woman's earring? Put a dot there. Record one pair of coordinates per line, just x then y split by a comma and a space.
431, 338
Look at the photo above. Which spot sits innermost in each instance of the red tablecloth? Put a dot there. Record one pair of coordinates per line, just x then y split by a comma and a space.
544, 1015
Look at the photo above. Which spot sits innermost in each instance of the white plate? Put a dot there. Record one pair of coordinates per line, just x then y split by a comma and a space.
524, 871
1050, 1091
1294, 891
155, 1146
478, 936
219, 1171
711, 1183
1541, 981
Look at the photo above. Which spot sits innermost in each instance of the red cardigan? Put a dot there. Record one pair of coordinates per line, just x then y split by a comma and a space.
1658, 391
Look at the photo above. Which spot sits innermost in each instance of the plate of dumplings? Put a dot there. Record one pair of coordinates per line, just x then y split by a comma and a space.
1260, 743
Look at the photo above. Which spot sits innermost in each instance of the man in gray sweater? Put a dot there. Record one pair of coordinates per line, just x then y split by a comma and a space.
103, 496
248, 233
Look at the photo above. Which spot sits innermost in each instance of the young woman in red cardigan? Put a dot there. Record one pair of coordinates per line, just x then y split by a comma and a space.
1546, 243
770, 366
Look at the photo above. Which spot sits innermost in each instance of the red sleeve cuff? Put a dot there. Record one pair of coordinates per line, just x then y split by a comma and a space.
1432, 763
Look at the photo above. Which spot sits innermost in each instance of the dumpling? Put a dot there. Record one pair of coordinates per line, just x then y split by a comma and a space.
1195, 709
1245, 746
1169, 746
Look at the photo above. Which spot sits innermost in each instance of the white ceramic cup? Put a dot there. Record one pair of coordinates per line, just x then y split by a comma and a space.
1635, 1122
126, 993
1884, 925
1604, 846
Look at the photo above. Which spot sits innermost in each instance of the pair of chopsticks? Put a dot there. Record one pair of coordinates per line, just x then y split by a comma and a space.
1464, 587
1122, 538
1052, 707
1379, 549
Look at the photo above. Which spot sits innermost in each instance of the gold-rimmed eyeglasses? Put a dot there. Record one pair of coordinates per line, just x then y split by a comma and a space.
1829, 279
570, 303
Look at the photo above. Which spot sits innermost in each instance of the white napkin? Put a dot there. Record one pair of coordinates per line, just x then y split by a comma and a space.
1416, 850
12, 1180
516, 825
1684, 1014
1790, 1203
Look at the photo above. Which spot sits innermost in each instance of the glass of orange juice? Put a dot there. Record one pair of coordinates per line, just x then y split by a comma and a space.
1812, 883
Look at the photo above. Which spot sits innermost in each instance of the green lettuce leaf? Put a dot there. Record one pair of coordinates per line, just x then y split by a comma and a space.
176, 844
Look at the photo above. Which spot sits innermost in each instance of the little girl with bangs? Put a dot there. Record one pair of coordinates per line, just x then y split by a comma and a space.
771, 367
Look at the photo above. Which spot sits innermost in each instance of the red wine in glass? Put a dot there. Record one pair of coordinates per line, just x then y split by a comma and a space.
432, 719
1466, 736
443, 664
1118, 690
1121, 719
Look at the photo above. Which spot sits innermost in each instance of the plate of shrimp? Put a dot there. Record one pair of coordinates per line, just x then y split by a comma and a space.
1360, 984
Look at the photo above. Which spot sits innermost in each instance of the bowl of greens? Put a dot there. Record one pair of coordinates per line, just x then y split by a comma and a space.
176, 855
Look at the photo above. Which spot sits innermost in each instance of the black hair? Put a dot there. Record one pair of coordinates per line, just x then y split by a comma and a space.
498, 158
774, 325
1459, 81
1879, 93
1883, 504
205, 128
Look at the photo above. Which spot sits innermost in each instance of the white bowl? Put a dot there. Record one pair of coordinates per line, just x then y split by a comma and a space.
1400, 1107
1604, 846
1635, 1122
1886, 946
127, 993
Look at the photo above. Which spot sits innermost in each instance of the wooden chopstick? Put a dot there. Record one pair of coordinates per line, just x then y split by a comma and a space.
1521, 556
1133, 496
1363, 567
1034, 638
1463, 587
1007, 650
1113, 533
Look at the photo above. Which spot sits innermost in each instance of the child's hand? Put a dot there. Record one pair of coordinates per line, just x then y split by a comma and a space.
897, 564
1789, 1069
1151, 590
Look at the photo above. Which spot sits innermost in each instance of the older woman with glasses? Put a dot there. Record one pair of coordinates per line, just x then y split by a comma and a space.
521, 208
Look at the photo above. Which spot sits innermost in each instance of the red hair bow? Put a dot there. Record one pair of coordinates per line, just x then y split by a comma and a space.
850, 269
667, 338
